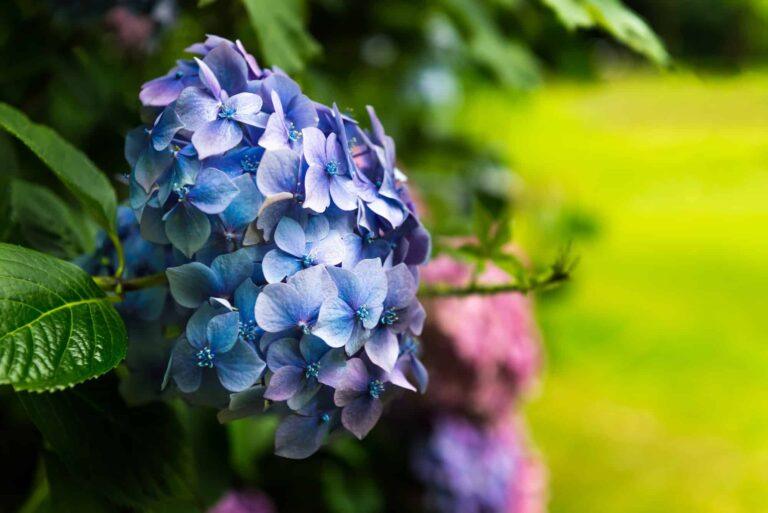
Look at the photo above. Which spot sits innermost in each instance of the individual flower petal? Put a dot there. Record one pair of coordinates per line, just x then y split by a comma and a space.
213, 191
239, 368
401, 287
318, 187
222, 332
332, 368
289, 236
197, 326
216, 137
278, 307
382, 348
195, 108
299, 436
278, 172
208, 78
285, 383
277, 265
335, 322
247, 106
232, 270
192, 283
361, 415
187, 228
245, 206
183, 367
284, 352
228, 66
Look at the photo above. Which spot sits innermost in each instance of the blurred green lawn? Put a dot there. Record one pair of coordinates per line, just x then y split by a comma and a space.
656, 392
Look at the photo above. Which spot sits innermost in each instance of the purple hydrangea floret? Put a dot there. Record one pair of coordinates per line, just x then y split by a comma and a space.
295, 241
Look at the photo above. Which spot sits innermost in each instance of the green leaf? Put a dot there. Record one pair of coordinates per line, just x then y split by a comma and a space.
284, 40
132, 457
204, 3
512, 62
46, 223
57, 328
613, 17
72, 167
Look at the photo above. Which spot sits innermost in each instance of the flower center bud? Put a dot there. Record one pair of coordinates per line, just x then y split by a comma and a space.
363, 313
178, 75
308, 261
293, 134
304, 327
325, 418
331, 168
181, 191
205, 357
249, 163
389, 317
226, 112
375, 388
249, 331
312, 370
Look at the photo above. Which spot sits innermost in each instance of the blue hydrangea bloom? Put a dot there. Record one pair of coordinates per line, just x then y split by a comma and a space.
295, 244
212, 341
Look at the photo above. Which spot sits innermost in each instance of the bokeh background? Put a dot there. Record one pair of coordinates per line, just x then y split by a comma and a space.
654, 169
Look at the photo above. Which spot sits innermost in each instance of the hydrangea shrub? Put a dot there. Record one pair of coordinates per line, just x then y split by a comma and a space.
298, 241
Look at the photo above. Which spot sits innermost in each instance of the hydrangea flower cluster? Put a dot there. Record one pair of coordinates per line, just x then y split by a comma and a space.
485, 351
470, 469
300, 240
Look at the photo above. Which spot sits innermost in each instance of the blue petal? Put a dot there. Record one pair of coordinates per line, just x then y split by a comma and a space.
275, 136
401, 287
373, 281
333, 368
317, 228
192, 284
358, 337
278, 307
232, 269
314, 286
187, 228
312, 348
247, 107
361, 415
183, 367
335, 322
216, 137
222, 332
239, 368
278, 172
285, 383
150, 166
166, 126
284, 352
382, 348
152, 228
197, 326
348, 285
245, 207
289, 236
208, 79
305, 394
228, 66
245, 300
274, 208
195, 108
213, 191
298, 437
277, 265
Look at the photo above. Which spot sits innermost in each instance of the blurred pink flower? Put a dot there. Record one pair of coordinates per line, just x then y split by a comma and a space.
247, 501
133, 31
482, 352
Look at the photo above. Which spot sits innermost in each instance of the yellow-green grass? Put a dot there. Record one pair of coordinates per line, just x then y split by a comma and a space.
655, 397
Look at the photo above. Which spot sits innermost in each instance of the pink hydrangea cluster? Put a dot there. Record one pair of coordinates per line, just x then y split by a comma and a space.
483, 351
246, 501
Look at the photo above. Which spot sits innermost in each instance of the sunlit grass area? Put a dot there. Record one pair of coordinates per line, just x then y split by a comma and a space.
656, 392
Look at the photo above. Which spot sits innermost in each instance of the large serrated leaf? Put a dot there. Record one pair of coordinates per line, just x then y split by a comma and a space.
127, 457
616, 19
46, 223
57, 328
70, 165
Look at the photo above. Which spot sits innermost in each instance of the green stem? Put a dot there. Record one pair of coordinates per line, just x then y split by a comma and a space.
120, 257
145, 282
476, 289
